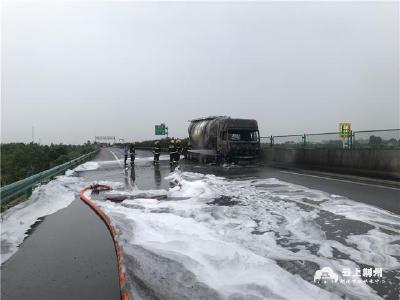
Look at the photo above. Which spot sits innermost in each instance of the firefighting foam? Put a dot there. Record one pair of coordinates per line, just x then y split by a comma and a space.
218, 238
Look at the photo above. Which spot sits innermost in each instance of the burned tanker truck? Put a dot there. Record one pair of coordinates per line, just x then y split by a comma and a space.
223, 139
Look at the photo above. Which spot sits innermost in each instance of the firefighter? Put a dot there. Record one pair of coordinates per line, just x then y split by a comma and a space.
132, 153
178, 145
156, 152
172, 152
125, 154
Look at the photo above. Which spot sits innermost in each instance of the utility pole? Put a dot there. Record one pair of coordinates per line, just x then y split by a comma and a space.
33, 134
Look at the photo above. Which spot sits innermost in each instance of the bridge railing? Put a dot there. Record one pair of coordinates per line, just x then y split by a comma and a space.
364, 139
24, 186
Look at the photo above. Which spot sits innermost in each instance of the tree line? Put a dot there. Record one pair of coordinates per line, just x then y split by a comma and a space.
19, 160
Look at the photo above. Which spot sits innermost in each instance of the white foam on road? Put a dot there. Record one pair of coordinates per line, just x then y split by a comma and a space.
115, 185
224, 237
139, 194
364, 212
45, 200
88, 166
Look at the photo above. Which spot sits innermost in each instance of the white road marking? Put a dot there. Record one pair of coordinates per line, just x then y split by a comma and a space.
117, 159
343, 180
125, 170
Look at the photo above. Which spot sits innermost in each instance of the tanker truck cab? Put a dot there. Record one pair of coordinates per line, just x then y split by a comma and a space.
239, 143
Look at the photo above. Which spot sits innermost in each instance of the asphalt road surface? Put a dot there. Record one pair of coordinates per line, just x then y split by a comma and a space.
70, 254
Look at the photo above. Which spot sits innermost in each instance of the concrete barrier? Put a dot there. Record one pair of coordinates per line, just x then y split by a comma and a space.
380, 163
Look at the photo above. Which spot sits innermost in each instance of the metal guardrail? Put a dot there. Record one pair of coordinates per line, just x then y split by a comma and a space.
363, 139
17, 188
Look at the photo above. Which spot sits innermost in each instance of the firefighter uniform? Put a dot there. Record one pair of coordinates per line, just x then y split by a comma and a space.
156, 152
125, 154
178, 150
172, 152
133, 153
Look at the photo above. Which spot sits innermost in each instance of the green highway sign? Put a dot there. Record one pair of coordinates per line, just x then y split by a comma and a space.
344, 130
161, 129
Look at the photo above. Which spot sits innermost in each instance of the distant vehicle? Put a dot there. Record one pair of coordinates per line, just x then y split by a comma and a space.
223, 139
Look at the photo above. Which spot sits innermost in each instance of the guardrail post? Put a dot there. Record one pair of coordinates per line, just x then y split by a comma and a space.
304, 140
271, 141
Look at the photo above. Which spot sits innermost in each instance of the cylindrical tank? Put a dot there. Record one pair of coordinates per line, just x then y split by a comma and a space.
203, 132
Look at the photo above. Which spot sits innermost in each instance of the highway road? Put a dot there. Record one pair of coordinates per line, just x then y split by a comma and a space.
245, 232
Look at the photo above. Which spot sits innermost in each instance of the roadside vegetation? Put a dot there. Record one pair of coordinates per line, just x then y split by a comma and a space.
19, 160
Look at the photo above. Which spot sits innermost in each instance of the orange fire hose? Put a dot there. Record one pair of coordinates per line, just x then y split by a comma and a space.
111, 228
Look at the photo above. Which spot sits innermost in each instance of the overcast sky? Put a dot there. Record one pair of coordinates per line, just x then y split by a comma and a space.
74, 70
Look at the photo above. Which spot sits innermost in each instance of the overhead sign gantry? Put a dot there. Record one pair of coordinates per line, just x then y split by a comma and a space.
104, 139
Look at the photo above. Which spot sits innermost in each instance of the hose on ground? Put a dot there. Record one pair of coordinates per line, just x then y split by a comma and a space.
87, 200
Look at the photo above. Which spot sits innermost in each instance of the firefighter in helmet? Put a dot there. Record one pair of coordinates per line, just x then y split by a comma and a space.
178, 145
126, 151
172, 151
132, 153
156, 152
